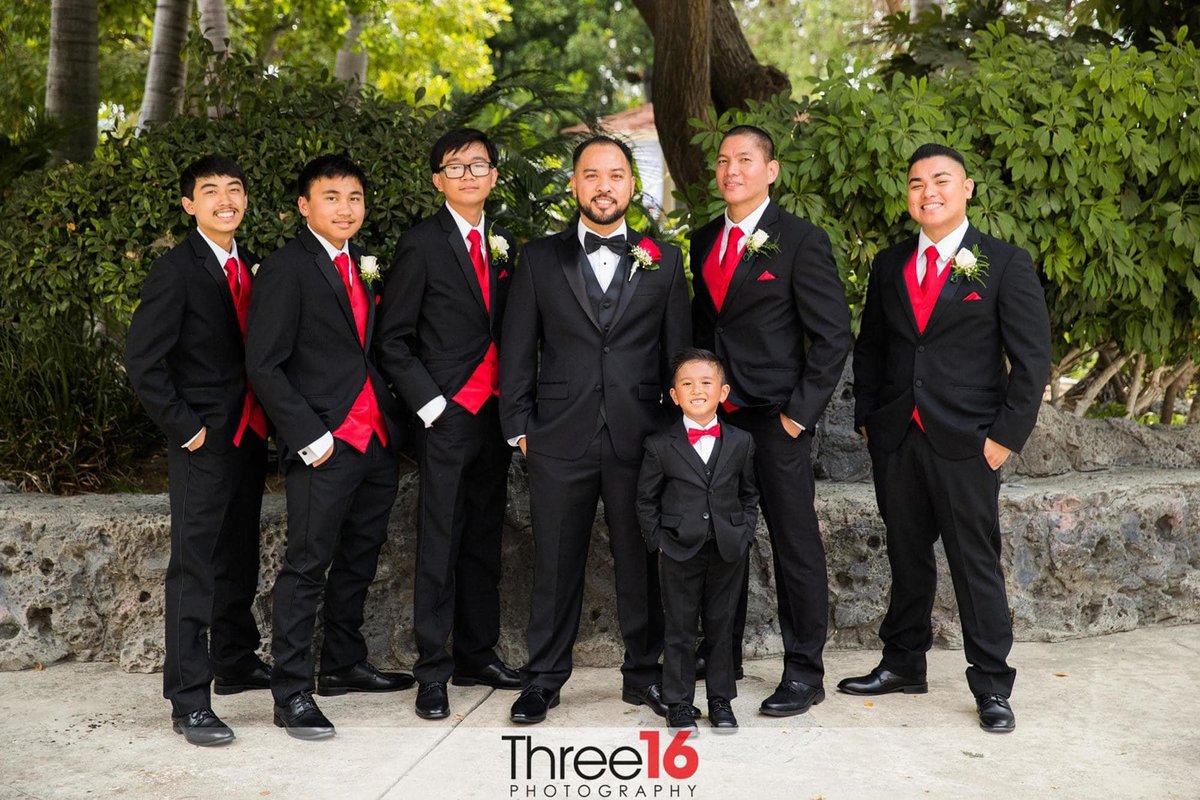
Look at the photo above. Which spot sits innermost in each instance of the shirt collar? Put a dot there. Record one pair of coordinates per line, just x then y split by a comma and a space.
221, 253
750, 222
691, 424
329, 248
465, 227
947, 247
583, 230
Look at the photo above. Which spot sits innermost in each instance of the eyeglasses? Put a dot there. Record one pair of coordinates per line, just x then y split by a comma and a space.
478, 168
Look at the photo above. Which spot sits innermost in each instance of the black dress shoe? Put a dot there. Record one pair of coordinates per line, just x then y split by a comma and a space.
791, 698
702, 669
720, 715
646, 696
533, 703
882, 681
995, 714
302, 719
681, 717
497, 675
362, 677
258, 677
432, 701
202, 727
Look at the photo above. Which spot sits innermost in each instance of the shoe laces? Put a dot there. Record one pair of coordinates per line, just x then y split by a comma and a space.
719, 704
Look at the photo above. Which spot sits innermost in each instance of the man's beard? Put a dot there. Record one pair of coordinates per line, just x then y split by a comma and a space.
602, 219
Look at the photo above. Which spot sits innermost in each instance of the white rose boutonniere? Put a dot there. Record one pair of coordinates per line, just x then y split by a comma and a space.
498, 246
969, 265
254, 270
760, 242
368, 269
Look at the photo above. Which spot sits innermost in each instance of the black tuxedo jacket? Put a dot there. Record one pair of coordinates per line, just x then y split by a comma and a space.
557, 366
680, 497
433, 326
303, 355
184, 352
955, 372
775, 302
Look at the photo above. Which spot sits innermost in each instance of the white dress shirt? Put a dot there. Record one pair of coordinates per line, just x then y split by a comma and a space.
748, 225
704, 445
603, 261
946, 248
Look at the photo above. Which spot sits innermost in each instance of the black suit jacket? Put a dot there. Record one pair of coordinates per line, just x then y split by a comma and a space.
955, 372
775, 302
557, 366
680, 497
433, 326
303, 355
184, 352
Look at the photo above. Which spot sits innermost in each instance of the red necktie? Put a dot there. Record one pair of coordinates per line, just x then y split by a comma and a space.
694, 434
358, 300
231, 273
931, 257
481, 271
253, 416
730, 259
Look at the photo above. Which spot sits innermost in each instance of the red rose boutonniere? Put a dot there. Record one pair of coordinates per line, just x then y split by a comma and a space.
646, 256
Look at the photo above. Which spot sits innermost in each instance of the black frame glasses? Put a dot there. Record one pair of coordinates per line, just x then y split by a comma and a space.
479, 169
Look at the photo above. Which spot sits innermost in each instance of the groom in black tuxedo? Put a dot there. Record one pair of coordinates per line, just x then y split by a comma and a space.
439, 331
769, 302
186, 360
949, 369
593, 316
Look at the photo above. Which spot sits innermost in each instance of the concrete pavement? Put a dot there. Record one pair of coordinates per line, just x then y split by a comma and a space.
1114, 716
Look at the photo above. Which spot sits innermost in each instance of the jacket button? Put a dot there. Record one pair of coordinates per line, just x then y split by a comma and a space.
607, 349
919, 383
920, 348
597, 387
705, 515
720, 330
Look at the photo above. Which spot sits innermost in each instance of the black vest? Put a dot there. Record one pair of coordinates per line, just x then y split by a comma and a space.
604, 302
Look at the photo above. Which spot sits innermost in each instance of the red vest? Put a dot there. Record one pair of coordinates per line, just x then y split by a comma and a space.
365, 417
923, 302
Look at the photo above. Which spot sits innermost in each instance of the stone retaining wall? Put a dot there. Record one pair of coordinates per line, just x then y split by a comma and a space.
82, 578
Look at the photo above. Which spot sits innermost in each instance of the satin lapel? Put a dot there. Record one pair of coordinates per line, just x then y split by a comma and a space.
896, 278
458, 246
745, 264
953, 287
208, 260
573, 262
329, 272
724, 453
688, 453
624, 265
356, 254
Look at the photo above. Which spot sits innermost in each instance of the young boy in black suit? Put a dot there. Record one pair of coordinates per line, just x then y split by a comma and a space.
697, 505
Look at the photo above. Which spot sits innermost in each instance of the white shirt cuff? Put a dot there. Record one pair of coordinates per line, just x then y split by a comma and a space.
187, 445
432, 410
516, 441
317, 449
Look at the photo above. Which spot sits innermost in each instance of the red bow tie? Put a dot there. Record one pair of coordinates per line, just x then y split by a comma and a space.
694, 434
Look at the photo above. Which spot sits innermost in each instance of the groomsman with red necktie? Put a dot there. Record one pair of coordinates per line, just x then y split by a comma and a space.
949, 369
439, 328
769, 302
186, 360
309, 355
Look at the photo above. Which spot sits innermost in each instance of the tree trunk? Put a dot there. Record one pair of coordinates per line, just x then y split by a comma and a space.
1135, 384
919, 7
1193, 417
73, 76
1174, 389
164, 76
351, 63
214, 24
701, 58
681, 92
736, 74
1093, 391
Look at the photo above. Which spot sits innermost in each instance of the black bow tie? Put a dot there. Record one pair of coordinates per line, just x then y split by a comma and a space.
592, 243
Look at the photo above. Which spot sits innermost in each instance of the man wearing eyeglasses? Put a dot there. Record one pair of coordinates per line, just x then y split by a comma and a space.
440, 317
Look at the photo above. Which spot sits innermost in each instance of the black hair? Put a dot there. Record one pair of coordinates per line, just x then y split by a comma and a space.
601, 139
457, 139
761, 137
335, 165
932, 150
695, 354
207, 166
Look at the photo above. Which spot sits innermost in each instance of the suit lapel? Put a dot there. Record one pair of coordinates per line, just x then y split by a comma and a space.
208, 261
953, 286
897, 280
573, 261
329, 272
745, 264
723, 453
702, 244
688, 453
368, 292
458, 246
624, 265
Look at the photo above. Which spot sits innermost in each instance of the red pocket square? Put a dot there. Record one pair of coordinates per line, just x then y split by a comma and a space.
503, 274
766, 276
972, 296
376, 299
